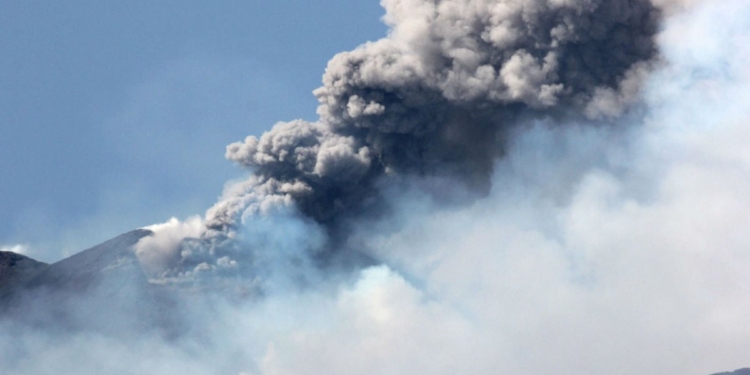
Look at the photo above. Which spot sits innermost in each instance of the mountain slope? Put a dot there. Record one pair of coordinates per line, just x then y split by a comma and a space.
111, 259
16, 270
102, 289
744, 371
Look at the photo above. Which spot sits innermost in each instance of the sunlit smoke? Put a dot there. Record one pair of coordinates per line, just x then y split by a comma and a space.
18, 249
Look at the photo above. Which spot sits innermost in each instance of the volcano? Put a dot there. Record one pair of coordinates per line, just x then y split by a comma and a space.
102, 289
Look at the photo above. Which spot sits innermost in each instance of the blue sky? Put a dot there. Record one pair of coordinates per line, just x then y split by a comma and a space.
115, 115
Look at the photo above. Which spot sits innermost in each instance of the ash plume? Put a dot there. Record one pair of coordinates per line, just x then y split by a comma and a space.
437, 97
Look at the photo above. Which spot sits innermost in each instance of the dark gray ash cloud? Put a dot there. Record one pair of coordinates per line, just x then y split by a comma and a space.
437, 97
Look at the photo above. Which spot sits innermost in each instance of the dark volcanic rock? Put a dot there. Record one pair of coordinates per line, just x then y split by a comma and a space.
16, 270
744, 371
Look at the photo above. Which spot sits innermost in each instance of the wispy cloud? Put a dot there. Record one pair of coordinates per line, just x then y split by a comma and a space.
18, 249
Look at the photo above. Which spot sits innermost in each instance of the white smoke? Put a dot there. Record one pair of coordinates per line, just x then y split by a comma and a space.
18, 249
161, 250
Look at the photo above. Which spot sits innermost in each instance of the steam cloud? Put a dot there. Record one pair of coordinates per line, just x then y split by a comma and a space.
604, 152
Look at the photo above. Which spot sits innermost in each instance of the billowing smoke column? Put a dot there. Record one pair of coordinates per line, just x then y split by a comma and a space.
436, 97
434, 100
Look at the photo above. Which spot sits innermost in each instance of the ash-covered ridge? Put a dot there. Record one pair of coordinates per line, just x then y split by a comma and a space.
16, 270
88, 289
88, 267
